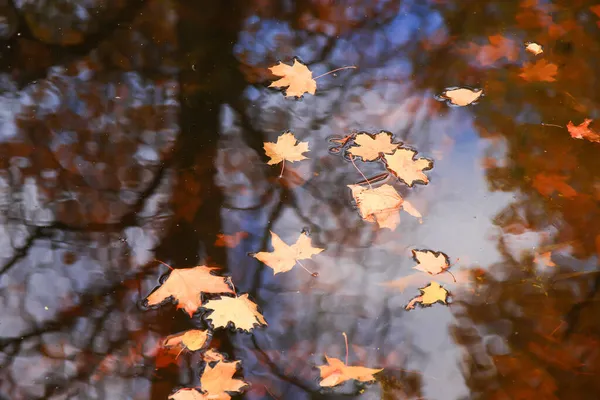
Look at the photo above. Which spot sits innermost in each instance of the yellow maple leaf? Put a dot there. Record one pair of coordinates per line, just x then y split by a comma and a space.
408, 169
430, 261
284, 257
336, 372
431, 294
193, 339
240, 311
285, 149
370, 147
186, 286
461, 96
381, 205
542, 71
297, 78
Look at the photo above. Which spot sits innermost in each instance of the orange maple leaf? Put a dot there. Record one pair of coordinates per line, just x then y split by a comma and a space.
546, 184
583, 131
541, 70
430, 294
499, 47
336, 372
370, 147
408, 169
284, 257
381, 205
431, 262
297, 78
240, 311
285, 149
193, 339
187, 285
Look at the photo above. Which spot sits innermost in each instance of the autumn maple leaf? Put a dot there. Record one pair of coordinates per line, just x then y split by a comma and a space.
542, 71
297, 78
460, 96
187, 285
430, 294
240, 311
284, 257
193, 339
336, 372
547, 184
381, 205
370, 147
285, 149
583, 131
408, 169
430, 261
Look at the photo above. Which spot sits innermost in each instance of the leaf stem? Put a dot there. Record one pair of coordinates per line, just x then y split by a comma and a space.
453, 277
558, 126
346, 341
165, 264
282, 168
306, 269
335, 70
363, 175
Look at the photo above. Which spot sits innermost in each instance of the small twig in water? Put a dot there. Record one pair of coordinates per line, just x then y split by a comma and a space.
335, 70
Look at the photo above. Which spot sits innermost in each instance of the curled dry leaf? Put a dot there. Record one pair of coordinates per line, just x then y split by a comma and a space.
431, 294
240, 311
297, 78
430, 261
408, 169
286, 148
461, 96
381, 205
542, 71
370, 147
336, 372
583, 131
284, 257
193, 339
187, 285
534, 48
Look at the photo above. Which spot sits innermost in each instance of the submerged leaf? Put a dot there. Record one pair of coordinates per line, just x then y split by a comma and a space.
284, 257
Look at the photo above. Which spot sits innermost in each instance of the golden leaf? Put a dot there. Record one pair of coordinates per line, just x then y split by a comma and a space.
370, 147
187, 285
336, 372
534, 48
297, 78
284, 257
461, 96
285, 149
431, 294
192, 339
430, 261
406, 168
240, 311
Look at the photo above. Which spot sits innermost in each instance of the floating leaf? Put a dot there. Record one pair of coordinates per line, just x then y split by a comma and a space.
461, 96
217, 380
408, 169
370, 147
193, 339
583, 131
284, 257
287, 148
187, 285
534, 48
430, 261
240, 311
297, 78
336, 372
431, 294
379, 205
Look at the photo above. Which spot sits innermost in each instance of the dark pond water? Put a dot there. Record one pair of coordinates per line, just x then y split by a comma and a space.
132, 131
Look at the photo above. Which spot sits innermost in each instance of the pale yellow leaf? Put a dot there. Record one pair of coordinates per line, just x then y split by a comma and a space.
297, 78
430, 261
335, 372
462, 96
408, 169
192, 339
284, 257
370, 147
285, 149
240, 311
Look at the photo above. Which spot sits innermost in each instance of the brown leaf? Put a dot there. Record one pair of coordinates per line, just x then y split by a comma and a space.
240, 311
430, 261
431, 294
284, 257
406, 168
461, 96
297, 78
285, 149
193, 339
336, 372
187, 285
370, 147
547, 184
541, 70
583, 131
